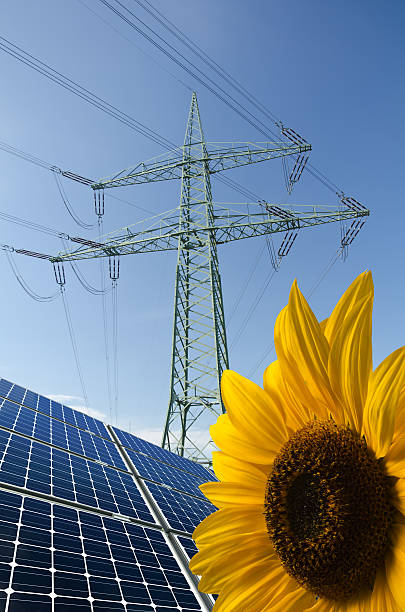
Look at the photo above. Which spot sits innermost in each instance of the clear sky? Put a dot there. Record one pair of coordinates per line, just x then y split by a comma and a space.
333, 71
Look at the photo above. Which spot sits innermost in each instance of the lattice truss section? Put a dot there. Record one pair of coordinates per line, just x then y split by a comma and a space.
91, 516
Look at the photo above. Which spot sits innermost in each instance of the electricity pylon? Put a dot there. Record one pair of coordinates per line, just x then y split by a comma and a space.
194, 229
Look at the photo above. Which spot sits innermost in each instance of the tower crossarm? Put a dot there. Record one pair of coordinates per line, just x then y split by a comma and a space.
224, 155
162, 233
158, 233
220, 156
234, 225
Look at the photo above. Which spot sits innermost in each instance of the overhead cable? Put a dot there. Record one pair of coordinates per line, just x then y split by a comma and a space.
32, 294
68, 206
246, 284
105, 325
219, 92
82, 92
115, 346
98, 102
131, 42
201, 54
80, 277
4, 146
195, 71
74, 344
314, 287
252, 309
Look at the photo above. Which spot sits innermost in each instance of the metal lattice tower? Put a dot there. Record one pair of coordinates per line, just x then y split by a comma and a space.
200, 352
194, 229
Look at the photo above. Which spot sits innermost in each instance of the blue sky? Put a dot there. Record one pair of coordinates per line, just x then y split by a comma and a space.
331, 71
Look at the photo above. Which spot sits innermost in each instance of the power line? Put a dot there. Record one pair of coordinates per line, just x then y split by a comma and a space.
74, 344
115, 346
195, 72
7, 148
314, 287
105, 326
131, 42
57, 77
68, 206
200, 53
240, 109
246, 284
252, 309
32, 294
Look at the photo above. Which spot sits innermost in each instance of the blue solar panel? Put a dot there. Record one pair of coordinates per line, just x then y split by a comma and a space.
41, 427
37, 467
58, 559
182, 511
79, 531
151, 450
28, 398
189, 547
162, 472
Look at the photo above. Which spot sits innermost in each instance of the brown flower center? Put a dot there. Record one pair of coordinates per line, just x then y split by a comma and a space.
329, 510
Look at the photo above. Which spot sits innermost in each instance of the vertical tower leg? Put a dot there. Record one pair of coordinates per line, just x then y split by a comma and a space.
199, 353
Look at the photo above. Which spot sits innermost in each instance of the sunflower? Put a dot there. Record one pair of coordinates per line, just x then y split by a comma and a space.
311, 491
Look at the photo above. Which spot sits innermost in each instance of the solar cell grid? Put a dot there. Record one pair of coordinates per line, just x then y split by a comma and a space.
58, 559
49, 407
191, 549
182, 511
37, 467
41, 427
167, 474
151, 450
188, 545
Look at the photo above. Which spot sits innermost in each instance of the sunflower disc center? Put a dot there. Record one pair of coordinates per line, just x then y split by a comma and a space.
328, 510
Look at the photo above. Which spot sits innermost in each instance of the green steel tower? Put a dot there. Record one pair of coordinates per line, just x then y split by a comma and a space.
194, 229
200, 352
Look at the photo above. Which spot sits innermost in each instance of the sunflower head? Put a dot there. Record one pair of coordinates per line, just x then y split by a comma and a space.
311, 491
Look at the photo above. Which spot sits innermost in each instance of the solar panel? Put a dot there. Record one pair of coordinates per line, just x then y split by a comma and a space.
151, 450
89, 514
41, 427
28, 398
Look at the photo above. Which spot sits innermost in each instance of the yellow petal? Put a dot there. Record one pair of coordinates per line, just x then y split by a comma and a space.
381, 599
361, 287
225, 494
323, 605
302, 351
252, 591
291, 601
230, 469
350, 361
252, 411
322, 325
395, 458
296, 414
226, 551
395, 567
236, 443
385, 384
400, 416
399, 499
218, 570
229, 522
